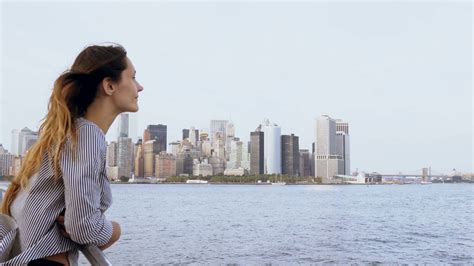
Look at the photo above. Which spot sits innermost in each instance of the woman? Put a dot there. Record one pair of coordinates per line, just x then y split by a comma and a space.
59, 197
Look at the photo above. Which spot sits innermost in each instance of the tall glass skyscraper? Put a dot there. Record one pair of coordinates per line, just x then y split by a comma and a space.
272, 148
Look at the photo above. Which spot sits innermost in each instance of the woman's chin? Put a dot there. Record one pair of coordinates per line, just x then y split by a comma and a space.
132, 109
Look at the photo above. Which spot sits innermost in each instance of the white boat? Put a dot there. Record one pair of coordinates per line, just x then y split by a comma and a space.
426, 182
279, 183
196, 181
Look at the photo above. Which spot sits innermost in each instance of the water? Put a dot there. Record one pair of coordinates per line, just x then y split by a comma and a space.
245, 224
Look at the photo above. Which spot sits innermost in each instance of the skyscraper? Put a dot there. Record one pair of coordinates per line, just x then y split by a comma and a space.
327, 162
305, 163
150, 149
219, 126
174, 147
158, 133
230, 136
239, 156
184, 163
124, 157
165, 165
6, 162
290, 156
272, 146
343, 144
123, 127
24, 138
139, 169
257, 152
342, 126
185, 134
111, 159
193, 136
218, 147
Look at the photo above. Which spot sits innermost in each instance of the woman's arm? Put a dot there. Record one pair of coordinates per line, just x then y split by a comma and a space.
116, 232
84, 221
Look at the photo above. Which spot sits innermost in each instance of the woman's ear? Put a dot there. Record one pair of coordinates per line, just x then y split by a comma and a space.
108, 87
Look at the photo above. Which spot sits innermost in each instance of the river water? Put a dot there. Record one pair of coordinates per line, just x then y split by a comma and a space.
264, 224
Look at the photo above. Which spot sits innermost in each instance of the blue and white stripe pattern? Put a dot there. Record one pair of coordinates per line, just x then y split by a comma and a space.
83, 191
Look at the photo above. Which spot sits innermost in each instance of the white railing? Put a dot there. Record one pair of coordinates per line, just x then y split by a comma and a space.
95, 256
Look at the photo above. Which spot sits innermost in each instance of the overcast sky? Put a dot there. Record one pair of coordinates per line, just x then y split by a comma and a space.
399, 73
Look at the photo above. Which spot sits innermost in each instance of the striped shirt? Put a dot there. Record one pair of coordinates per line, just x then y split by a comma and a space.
83, 192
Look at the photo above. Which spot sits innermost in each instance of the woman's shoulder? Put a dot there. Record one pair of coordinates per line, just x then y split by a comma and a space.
87, 130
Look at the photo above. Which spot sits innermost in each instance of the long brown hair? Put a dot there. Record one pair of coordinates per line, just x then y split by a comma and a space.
73, 92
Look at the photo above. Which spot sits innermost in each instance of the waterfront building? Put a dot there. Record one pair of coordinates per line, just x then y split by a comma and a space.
165, 165
218, 165
235, 171
184, 163
305, 163
202, 168
327, 162
350, 179
272, 146
290, 155
125, 157
257, 152
112, 173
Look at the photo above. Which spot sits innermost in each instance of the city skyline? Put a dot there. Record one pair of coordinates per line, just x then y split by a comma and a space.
399, 73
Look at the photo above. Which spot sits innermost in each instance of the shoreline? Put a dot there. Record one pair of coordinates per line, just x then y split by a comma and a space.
269, 184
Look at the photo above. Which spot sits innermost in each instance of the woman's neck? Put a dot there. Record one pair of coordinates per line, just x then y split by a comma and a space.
101, 116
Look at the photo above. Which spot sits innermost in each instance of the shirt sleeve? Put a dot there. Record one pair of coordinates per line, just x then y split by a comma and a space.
84, 221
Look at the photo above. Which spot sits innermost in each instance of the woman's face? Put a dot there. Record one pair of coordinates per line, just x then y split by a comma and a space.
127, 89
